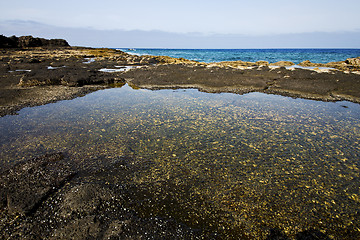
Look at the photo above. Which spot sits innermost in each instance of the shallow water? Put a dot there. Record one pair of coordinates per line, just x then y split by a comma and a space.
222, 162
117, 69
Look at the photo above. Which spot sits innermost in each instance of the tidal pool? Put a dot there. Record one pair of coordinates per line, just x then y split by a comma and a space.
235, 164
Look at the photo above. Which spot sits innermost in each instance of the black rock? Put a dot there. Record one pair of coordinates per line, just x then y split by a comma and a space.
25, 186
29, 41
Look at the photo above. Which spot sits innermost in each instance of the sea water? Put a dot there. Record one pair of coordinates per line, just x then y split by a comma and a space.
236, 164
252, 55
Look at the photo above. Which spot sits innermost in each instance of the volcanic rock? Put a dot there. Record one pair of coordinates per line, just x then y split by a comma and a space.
283, 64
25, 186
353, 61
30, 41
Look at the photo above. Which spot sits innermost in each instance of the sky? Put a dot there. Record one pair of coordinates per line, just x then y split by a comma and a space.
161, 23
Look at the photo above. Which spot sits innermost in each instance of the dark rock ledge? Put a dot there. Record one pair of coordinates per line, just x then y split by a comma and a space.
52, 197
49, 198
30, 41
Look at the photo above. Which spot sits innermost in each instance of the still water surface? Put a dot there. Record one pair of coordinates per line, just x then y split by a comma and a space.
221, 161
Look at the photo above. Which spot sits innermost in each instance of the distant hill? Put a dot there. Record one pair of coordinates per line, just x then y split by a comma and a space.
30, 41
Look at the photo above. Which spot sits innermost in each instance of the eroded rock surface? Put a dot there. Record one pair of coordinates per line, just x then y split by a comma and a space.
25, 186
30, 41
49, 198
295, 83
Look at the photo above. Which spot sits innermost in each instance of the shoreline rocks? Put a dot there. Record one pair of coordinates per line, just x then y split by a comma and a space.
52, 197
40, 75
283, 64
353, 61
30, 41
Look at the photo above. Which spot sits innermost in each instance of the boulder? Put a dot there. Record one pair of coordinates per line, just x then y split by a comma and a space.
353, 61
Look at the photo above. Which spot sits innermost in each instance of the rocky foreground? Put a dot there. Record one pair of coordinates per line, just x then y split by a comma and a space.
51, 197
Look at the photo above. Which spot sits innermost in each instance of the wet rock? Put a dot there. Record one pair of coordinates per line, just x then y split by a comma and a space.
56, 205
116, 229
84, 228
276, 234
311, 235
24, 187
67, 76
84, 199
98, 203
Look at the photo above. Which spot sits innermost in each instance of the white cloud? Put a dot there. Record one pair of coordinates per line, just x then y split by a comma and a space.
210, 16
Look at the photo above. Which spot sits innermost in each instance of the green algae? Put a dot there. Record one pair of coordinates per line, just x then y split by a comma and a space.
235, 165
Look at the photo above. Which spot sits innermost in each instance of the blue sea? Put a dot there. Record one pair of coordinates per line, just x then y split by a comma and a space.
252, 55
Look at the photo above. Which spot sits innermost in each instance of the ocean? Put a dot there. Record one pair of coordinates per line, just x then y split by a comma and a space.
252, 55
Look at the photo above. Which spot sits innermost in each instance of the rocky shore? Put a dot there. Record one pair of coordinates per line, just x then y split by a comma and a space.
39, 75
53, 197
30, 41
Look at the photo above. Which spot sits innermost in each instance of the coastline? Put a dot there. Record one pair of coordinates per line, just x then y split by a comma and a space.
57, 197
273, 55
36, 76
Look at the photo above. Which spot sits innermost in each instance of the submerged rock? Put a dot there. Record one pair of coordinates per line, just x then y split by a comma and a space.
24, 187
45, 198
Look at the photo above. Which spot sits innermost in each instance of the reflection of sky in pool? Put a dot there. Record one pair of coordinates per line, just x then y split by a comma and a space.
229, 162
117, 69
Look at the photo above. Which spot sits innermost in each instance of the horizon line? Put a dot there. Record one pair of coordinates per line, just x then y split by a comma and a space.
287, 48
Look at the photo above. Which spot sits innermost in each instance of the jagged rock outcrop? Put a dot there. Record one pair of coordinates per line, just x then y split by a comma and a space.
353, 61
350, 64
30, 41
8, 42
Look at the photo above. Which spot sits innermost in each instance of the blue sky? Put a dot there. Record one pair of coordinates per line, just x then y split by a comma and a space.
157, 21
